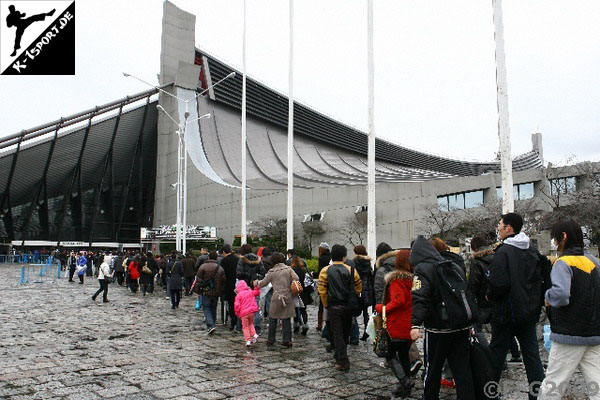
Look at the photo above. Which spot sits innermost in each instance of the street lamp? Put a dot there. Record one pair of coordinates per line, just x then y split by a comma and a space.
181, 185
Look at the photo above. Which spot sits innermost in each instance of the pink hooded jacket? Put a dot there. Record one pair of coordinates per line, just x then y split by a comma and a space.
244, 300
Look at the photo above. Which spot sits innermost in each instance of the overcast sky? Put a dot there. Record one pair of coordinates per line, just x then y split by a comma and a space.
435, 79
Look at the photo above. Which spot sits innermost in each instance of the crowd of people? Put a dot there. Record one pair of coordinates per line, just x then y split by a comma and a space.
423, 292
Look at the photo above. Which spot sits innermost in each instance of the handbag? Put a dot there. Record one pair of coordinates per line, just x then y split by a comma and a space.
295, 286
146, 270
355, 303
383, 340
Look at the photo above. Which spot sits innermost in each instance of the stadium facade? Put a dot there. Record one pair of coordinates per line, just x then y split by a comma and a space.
99, 176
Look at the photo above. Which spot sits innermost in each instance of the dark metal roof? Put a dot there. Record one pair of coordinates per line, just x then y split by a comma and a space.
269, 105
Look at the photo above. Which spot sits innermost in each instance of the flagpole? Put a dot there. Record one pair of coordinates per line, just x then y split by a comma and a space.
290, 143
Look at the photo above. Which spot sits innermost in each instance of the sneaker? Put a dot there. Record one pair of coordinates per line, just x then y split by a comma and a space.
254, 338
415, 366
364, 337
105, 301
515, 360
304, 330
286, 344
211, 330
384, 364
248, 343
448, 383
93, 298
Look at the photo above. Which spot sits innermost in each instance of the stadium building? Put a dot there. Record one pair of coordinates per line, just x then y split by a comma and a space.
97, 177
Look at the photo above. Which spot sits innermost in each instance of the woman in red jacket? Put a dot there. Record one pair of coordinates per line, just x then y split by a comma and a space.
398, 310
134, 274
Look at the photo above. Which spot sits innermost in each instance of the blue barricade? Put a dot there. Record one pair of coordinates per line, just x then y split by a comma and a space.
39, 273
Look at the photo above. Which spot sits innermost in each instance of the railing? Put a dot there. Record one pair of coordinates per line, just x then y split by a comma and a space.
39, 273
27, 259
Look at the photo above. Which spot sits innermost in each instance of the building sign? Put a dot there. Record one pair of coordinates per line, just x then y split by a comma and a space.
168, 233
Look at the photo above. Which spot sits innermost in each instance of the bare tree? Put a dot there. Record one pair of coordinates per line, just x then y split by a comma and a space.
437, 221
353, 229
272, 232
312, 230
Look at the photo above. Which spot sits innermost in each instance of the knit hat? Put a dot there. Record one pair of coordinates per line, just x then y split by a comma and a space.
324, 245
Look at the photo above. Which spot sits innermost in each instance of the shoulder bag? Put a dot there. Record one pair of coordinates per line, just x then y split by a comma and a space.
355, 303
383, 340
295, 286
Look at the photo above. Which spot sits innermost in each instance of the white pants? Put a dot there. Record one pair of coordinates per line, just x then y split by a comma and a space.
562, 363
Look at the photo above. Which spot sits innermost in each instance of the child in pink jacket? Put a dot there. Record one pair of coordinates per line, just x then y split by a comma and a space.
245, 307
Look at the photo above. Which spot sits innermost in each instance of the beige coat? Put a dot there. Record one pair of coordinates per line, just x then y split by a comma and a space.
282, 302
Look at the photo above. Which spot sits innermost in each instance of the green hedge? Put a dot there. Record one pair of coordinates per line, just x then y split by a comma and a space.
313, 264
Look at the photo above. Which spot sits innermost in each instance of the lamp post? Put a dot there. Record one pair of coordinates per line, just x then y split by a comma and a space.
371, 214
181, 220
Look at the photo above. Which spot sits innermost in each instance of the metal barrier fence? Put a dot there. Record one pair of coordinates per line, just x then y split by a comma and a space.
40, 273
26, 258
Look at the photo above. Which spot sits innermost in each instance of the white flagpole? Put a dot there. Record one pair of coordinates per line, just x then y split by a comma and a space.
244, 218
290, 152
371, 223
508, 204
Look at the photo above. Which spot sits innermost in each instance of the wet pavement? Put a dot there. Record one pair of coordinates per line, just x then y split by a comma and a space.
56, 343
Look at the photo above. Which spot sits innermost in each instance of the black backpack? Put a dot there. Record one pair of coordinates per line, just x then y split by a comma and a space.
457, 307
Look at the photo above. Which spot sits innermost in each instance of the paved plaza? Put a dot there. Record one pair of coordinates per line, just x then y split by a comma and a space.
59, 344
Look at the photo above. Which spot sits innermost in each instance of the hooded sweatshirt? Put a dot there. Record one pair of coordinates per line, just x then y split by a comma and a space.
515, 282
425, 297
105, 268
245, 302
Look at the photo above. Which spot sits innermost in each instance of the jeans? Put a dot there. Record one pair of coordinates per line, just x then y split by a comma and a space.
340, 323
209, 306
103, 288
354, 331
502, 335
71, 273
187, 281
286, 324
268, 297
231, 310
175, 297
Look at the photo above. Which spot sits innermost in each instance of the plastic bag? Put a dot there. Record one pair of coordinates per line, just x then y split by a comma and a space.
198, 303
547, 341
370, 329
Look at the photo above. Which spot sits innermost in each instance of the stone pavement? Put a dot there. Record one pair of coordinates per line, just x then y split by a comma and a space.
56, 343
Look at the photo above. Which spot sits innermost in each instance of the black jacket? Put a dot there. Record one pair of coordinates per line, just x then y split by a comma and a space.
384, 264
250, 268
229, 265
363, 266
324, 261
477, 283
425, 295
515, 282
455, 258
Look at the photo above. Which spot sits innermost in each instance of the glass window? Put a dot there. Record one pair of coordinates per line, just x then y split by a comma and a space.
456, 201
526, 191
443, 203
473, 199
499, 193
562, 185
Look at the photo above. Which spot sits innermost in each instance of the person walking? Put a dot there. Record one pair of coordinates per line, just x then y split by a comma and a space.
72, 263
365, 271
573, 302
146, 275
189, 272
81, 267
133, 271
515, 279
229, 265
441, 341
324, 260
119, 269
282, 302
103, 276
397, 300
174, 282
245, 307
299, 267
335, 285
210, 278
250, 269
